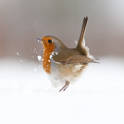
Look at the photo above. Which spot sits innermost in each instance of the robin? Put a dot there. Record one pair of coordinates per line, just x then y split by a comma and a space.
64, 64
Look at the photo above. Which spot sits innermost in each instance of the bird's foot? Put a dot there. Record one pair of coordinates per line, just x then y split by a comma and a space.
65, 86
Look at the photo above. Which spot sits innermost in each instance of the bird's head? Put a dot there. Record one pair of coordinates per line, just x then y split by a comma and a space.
48, 44
52, 43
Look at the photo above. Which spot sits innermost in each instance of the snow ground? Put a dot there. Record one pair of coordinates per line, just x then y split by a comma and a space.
27, 97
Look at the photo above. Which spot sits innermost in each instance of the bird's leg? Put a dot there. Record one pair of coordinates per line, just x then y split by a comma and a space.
65, 86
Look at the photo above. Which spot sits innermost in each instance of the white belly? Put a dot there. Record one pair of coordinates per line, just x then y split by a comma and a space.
61, 73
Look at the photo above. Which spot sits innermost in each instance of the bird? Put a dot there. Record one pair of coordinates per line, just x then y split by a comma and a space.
63, 64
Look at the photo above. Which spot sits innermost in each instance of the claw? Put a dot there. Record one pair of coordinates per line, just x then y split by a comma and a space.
65, 86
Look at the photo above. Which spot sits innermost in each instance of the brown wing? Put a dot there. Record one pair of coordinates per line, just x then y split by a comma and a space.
78, 59
64, 54
74, 59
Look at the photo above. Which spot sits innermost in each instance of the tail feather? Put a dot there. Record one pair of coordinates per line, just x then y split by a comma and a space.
80, 45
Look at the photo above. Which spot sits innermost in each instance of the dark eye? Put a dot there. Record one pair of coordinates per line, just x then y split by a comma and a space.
49, 41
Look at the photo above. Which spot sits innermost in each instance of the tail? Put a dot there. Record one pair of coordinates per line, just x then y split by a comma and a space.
80, 45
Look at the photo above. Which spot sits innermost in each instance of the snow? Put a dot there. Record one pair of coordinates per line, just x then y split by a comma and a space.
17, 53
27, 97
39, 58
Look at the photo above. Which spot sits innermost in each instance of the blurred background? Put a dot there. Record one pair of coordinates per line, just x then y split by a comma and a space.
23, 21
96, 98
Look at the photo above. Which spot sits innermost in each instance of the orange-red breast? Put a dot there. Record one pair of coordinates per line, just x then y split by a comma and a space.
64, 64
